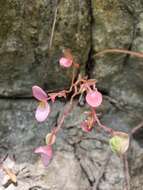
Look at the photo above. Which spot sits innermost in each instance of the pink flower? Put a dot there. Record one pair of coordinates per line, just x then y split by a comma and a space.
46, 153
43, 108
94, 98
65, 62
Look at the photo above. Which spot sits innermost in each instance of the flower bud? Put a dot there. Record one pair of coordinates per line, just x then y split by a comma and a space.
65, 62
94, 98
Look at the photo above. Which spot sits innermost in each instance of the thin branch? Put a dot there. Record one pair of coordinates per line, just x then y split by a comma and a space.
137, 54
135, 129
53, 26
66, 112
3, 159
126, 172
104, 127
51, 40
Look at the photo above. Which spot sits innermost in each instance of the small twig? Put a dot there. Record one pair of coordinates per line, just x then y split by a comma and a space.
135, 129
104, 127
51, 39
102, 170
63, 117
3, 159
125, 160
53, 26
137, 54
126, 172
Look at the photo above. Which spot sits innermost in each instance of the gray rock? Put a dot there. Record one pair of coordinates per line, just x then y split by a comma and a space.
112, 28
71, 165
136, 160
118, 24
25, 30
81, 160
64, 172
20, 133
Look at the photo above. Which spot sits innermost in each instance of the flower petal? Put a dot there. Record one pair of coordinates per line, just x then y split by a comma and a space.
46, 153
39, 93
42, 111
94, 98
45, 159
65, 62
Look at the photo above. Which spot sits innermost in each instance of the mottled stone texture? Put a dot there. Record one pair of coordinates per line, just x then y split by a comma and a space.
86, 27
76, 165
25, 30
118, 24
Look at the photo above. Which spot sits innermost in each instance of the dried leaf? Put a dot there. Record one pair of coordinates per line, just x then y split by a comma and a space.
10, 173
50, 138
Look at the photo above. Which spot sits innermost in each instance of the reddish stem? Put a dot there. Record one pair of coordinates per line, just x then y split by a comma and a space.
65, 114
106, 129
114, 50
135, 129
126, 172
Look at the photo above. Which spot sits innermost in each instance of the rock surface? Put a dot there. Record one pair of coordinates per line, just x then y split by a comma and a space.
86, 27
77, 164
118, 24
25, 32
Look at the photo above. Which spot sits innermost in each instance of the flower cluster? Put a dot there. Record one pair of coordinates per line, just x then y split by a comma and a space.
119, 141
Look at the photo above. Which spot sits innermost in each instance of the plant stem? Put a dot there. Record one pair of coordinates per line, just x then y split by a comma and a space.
135, 129
104, 127
126, 172
137, 54
53, 26
65, 114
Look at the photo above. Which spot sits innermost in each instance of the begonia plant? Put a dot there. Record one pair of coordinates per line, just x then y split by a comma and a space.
119, 141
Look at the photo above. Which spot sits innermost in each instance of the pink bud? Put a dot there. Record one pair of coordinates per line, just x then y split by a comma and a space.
85, 126
65, 62
94, 98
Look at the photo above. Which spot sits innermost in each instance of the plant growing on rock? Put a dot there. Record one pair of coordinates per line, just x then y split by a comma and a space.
80, 85
119, 141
